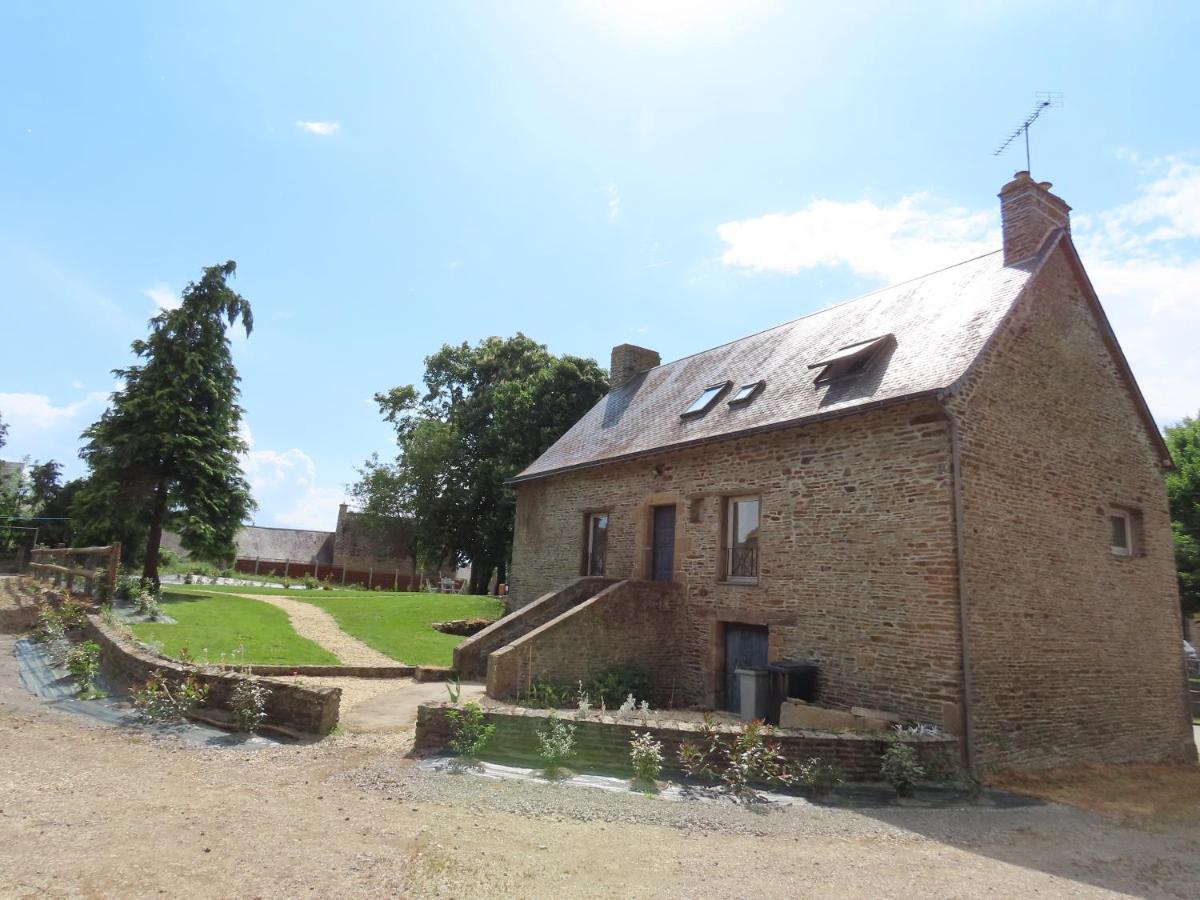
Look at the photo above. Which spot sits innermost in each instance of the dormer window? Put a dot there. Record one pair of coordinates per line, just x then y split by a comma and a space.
746, 393
706, 400
851, 360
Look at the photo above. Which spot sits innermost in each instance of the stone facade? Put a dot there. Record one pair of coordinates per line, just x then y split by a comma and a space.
361, 544
1075, 651
856, 562
889, 531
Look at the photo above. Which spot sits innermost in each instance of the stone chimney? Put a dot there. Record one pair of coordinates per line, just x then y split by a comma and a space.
1029, 212
629, 361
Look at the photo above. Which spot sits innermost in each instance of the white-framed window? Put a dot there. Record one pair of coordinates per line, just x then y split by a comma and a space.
741, 539
597, 543
1120, 525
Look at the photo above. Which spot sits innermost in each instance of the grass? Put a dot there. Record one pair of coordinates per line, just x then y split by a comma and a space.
222, 623
400, 624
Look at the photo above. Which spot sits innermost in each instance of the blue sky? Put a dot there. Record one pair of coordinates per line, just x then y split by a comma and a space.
390, 177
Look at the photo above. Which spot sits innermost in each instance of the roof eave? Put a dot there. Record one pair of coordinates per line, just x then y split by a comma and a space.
930, 393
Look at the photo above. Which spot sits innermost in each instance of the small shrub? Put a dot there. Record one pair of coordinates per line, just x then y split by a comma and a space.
469, 733
819, 776
83, 662
454, 689
738, 763
128, 588
51, 632
108, 616
248, 702
556, 744
543, 694
158, 701
147, 603
583, 702
612, 685
73, 613
901, 768
311, 583
646, 755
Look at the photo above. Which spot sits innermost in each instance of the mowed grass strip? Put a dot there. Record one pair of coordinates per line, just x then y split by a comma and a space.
401, 624
222, 622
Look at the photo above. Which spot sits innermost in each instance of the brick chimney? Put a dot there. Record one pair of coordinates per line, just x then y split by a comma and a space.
1029, 212
629, 361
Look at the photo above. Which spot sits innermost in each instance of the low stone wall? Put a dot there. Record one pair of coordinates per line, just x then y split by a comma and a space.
627, 623
290, 707
602, 741
396, 671
302, 709
471, 656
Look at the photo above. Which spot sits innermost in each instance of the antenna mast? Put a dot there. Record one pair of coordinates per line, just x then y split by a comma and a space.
1046, 100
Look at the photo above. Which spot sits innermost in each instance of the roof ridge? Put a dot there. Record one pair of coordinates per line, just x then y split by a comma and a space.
817, 312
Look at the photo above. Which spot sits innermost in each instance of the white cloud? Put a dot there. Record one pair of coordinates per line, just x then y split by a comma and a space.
37, 412
1143, 258
614, 201
321, 128
285, 484
892, 243
162, 295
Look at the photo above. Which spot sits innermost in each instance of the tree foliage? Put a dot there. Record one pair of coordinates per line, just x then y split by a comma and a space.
486, 413
1183, 493
165, 453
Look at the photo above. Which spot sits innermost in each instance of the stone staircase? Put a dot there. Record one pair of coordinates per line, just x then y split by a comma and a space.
471, 656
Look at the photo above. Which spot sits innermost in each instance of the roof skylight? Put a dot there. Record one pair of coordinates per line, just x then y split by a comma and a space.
852, 359
706, 400
746, 393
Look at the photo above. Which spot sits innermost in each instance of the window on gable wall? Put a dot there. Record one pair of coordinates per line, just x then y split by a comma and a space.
1120, 523
741, 539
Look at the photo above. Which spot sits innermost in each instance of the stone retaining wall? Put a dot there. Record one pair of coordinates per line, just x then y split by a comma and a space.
471, 656
290, 707
630, 623
602, 741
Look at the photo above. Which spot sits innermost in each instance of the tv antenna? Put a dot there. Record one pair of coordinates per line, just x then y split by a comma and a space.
1045, 100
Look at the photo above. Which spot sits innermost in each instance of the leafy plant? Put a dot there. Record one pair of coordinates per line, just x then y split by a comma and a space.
819, 776
454, 689
583, 703
52, 633
901, 768
556, 744
543, 694
646, 755
614, 684
83, 662
311, 583
248, 702
739, 763
147, 602
469, 733
73, 613
158, 701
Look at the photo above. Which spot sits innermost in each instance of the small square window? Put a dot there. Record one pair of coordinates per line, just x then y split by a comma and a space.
1121, 530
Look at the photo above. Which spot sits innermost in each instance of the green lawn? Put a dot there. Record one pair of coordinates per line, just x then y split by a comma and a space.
400, 624
221, 623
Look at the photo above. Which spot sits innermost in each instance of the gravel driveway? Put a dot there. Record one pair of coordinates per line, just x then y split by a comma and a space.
90, 810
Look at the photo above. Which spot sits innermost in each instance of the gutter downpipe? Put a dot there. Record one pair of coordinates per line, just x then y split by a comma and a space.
960, 544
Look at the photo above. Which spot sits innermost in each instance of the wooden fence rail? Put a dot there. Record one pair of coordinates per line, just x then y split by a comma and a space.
110, 559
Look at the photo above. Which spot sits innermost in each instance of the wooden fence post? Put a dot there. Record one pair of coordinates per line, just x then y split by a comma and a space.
396, 581
343, 574
114, 562
370, 577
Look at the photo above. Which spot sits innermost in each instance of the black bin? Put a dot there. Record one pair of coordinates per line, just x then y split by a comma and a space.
798, 680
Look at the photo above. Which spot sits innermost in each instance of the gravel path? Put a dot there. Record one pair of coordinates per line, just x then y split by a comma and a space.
319, 626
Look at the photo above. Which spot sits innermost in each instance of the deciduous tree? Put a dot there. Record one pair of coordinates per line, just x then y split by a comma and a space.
1183, 492
486, 412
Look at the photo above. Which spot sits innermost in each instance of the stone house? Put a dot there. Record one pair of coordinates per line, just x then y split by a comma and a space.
947, 495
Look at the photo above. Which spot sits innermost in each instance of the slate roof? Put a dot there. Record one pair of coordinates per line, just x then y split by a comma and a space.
940, 322
257, 542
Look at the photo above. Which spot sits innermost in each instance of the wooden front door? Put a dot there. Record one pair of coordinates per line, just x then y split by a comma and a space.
745, 648
662, 565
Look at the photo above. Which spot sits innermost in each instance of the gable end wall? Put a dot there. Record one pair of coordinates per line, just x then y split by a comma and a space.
1075, 652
